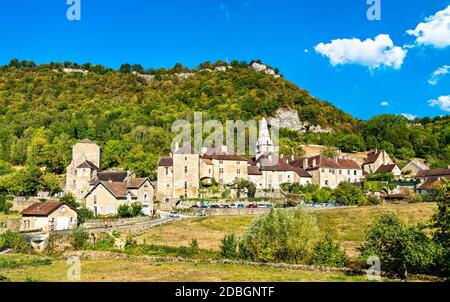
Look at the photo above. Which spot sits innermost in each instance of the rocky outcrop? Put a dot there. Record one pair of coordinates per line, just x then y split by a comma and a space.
263, 68
289, 119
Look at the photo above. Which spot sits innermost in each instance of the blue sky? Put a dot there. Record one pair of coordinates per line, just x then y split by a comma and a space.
161, 33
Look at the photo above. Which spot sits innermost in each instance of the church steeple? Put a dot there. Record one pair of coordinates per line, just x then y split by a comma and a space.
265, 143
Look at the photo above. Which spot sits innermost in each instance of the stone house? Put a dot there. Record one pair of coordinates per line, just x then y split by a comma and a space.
112, 189
430, 179
269, 172
85, 164
413, 167
375, 160
329, 172
48, 217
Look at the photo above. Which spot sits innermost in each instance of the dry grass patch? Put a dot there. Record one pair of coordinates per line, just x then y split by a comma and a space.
120, 270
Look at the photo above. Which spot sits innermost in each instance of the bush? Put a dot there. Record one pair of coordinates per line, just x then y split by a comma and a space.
14, 241
402, 249
84, 214
415, 198
70, 200
322, 195
371, 200
79, 238
5, 168
136, 209
124, 211
5, 205
228, 247
282, 236
104, 242
194, 246
349, 195
328, 253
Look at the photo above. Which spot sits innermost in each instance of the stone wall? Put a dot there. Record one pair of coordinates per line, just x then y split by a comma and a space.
232, 212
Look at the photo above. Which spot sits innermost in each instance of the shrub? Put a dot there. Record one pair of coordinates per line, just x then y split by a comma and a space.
415, 198
282, 236
70, 200
104, 242
5, 205
14, 241
329, 253
349, 195
228, 247
5, 168
136, 209
402, 249
322, 195
79, 238
84, 214
372, 200
124, 211
194, 246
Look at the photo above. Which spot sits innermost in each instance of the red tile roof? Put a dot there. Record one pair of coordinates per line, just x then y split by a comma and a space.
372, 158
254, 170
386, 168
43, 209
433, 172
88, 165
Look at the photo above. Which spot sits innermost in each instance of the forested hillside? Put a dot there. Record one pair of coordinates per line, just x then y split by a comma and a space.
44, 110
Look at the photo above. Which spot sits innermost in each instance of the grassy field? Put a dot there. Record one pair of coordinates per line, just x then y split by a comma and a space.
346, 225
114, 270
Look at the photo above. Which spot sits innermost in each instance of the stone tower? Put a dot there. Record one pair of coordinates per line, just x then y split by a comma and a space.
86, 163
264, 143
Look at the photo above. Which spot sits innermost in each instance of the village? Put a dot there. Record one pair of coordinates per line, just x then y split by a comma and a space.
215, 182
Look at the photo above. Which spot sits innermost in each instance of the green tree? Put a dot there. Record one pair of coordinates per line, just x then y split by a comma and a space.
348, 194
282, 236
5, 168
402, 249
329, 253
330, 152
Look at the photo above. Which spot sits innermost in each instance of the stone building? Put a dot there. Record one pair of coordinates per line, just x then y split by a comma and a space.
380, 162
48, 217
85, 164
109, 190
328, 172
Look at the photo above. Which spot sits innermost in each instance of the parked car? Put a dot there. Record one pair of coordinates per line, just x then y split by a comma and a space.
251, 206
201, 214
215, 206
241, 206
226, 206
264, 206
195, 206
233, 206
174, 215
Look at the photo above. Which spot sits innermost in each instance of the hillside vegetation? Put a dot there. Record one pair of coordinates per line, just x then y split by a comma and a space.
44, 110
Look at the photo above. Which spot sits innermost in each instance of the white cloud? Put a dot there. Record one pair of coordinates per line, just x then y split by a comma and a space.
443, 102
409, 116
435, 31
438, 74
370, 53
384, 104
225, 11
306, 50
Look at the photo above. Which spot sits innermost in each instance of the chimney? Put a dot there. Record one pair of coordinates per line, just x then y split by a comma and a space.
293, 157
314, 163
305, 163
177, 146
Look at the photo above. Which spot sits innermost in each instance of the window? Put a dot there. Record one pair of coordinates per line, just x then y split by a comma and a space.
166, 200
239, 172
323, 170
185, 169
185, 194
356, 172
340, 172
349, 172
167, 170
185, 159
220, 170
327, 182
220, 162
185, 185
209, 171
95, 199
238, 163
